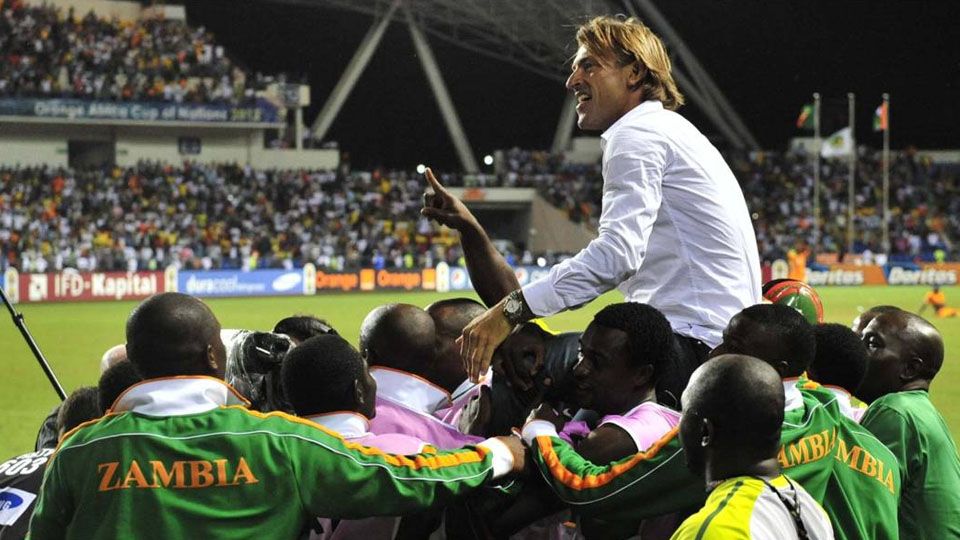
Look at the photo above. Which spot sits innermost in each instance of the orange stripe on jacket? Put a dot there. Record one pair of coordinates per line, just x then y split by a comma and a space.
591, 481
428, 459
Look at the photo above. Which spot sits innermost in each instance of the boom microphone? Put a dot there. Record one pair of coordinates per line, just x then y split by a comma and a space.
22, 326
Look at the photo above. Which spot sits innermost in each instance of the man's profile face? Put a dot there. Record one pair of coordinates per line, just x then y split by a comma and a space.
886, 353
604, 374
602, 89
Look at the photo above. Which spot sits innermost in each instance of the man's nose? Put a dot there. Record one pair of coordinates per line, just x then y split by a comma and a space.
573, 81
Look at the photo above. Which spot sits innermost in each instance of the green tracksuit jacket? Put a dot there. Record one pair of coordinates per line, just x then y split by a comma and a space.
844, 467
177, 464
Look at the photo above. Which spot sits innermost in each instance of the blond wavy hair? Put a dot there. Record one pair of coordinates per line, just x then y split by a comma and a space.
629, 41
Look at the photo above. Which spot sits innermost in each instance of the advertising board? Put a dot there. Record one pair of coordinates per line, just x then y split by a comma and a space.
225, 283
260, 111
71, 286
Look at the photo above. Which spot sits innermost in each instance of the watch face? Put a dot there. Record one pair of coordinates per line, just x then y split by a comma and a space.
512, 306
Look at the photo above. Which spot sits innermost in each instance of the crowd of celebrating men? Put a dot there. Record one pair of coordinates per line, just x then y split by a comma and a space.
692, 410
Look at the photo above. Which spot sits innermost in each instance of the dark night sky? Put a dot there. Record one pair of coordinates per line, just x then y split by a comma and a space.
766, 56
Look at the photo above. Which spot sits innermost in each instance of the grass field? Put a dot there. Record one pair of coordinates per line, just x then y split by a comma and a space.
73, 337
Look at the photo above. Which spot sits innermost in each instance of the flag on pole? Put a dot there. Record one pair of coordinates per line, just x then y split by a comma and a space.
838, 145
880, 117
805, 120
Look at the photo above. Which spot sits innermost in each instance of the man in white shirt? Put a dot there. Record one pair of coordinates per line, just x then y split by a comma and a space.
674, 230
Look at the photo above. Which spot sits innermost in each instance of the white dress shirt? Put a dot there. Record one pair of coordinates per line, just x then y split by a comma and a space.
674, 231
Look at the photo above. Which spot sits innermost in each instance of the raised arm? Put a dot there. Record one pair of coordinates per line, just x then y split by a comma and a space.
632, 194
492, 277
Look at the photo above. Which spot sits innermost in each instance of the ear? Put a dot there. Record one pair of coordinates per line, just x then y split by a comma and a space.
781, 366
706, 432
212, 359
913, 368
370, 356
358, 394
637, 73
644, 376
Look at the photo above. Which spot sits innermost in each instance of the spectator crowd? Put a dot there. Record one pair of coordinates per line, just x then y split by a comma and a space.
924, 204
225, 216
924, 199
150, 216
49, 52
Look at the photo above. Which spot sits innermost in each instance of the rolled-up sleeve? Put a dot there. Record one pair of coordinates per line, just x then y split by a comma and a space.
633, 169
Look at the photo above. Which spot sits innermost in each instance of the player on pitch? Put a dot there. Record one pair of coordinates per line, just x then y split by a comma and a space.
674, 229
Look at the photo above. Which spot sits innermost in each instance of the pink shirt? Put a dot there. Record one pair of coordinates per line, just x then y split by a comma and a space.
406, 405
646, 423
461, 397
353, 427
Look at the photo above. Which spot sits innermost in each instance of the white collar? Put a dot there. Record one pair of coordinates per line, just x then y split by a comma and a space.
349, 424
643, 108
177, 396
467, 385
792, 397
409, 390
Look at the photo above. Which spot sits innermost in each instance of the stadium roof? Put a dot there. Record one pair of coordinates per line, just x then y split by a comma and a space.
537, 35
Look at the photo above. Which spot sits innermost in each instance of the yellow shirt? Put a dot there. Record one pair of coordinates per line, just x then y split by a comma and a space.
936, 299
745, 508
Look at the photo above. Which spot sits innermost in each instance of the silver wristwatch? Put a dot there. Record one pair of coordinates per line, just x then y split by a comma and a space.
513, 308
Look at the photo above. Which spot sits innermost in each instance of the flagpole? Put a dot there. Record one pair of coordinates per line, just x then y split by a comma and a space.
851, 202
886, 171
816, 171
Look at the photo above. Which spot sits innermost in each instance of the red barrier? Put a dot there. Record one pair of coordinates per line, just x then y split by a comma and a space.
77, 286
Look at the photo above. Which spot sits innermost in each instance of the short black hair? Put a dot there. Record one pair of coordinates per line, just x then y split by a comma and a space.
169, 334
80, 406
115, 381
318, 375
649, 335
793, 332
841, 357
303, 327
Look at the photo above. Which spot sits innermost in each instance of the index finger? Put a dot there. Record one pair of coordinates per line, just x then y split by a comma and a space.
434, 183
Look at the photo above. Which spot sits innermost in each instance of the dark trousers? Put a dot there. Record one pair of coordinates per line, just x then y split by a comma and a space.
688, 354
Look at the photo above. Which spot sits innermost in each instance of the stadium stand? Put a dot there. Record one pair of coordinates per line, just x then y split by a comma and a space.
925, 207
923, 204
198, 216
153, 215
49, 52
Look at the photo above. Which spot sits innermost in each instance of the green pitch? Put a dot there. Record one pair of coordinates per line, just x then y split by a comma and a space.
73, 337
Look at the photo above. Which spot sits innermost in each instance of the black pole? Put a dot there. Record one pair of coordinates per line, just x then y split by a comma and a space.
18, 321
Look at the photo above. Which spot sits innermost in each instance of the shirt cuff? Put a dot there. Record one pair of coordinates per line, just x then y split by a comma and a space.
536, 428
502, 456
542, 299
